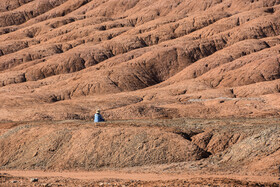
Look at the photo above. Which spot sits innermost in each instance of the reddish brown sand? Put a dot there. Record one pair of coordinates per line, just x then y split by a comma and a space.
130, 179
105, 175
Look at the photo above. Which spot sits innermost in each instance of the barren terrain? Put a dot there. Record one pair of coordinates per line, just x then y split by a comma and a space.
190, 91
178, 152
139, 59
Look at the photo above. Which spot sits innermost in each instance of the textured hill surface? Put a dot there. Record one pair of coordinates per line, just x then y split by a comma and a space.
91, 147
63, 59
237, 152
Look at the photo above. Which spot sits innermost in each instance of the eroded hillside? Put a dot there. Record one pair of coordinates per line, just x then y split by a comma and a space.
64, 59
156, 152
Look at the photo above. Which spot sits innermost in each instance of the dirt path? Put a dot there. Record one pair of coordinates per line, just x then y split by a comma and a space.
133, 176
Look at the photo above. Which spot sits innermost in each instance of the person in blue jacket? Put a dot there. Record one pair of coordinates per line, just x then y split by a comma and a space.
98, 117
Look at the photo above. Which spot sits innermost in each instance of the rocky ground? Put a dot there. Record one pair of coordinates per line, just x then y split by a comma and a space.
178, 152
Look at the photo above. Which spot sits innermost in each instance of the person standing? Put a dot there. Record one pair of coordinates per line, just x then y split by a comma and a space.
98, 117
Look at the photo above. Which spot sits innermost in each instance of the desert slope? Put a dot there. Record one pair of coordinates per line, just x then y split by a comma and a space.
173, 152
139, 59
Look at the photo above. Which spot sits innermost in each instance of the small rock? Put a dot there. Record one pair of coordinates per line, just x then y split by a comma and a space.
35, 154
14, 181
34, 180
101, 184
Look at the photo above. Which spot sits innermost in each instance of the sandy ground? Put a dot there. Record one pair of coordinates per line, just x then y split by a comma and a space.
113, 178
102, 175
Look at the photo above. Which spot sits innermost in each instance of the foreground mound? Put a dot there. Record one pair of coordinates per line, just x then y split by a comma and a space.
230, 146
238, 152
61, 147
